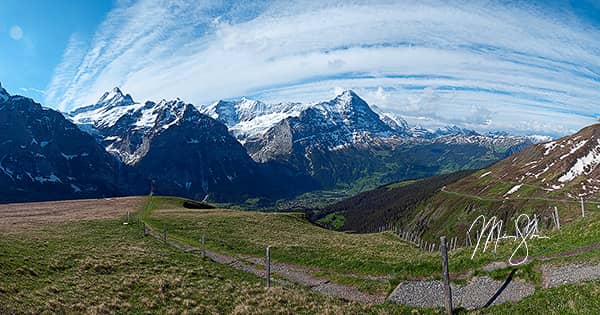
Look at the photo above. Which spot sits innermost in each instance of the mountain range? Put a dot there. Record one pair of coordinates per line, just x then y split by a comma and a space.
560, 176
229, 151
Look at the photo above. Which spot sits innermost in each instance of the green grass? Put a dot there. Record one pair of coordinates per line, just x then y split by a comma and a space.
580, 298
107, 267
334, 220
295, 240
291, 236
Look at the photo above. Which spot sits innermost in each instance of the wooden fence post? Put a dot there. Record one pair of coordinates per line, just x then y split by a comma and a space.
447, 290
582, 209
556, 218
164, 232
468, 240
268, 263
128, 217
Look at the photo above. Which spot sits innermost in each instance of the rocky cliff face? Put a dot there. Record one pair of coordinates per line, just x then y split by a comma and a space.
343, 140
182, 150
269, 151
44, 156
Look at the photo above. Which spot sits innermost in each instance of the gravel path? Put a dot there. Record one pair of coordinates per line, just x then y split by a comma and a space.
554, 276
479, 292
483, 291
287, 272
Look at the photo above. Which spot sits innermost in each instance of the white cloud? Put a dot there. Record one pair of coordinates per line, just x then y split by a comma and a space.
482, 65
34, 90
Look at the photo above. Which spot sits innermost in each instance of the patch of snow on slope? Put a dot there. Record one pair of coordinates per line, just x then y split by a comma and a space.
575, 148
513, 190
48, 179
544, 170
259, 125
69, 157
6, 171
75, 188
147, 119
484, 175
583, 165
549, 147
104, 117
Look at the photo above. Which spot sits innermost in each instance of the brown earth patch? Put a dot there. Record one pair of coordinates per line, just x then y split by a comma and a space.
17, 216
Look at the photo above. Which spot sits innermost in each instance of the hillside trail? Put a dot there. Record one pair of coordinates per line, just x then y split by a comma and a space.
444, 189
479, 291
286, 273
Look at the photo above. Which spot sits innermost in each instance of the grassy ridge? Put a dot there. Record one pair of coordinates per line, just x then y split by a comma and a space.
339, 255
106, 267
294, 239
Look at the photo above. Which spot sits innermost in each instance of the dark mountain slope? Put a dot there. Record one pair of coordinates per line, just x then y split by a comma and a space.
43, 156
558, 174
368, 211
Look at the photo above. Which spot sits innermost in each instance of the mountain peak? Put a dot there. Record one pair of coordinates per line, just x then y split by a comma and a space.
114, 97
349, 100
347, 96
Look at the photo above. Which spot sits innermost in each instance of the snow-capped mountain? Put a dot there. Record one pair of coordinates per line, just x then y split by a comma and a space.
43, 156
394, 121
347, 119
184, 151
249, 118
569, 165
343, 139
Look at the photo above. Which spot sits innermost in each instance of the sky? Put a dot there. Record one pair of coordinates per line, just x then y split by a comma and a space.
525, 67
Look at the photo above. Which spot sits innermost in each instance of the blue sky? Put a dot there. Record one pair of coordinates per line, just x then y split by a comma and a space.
521, 66
40, 31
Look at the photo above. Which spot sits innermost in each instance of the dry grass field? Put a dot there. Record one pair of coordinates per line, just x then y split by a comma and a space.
21, 216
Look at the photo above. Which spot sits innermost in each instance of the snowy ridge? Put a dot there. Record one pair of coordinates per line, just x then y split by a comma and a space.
347, 117
584, 165
569, 165
121, 124
247, 118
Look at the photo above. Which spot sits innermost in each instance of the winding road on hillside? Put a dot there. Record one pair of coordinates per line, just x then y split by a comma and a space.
443, 189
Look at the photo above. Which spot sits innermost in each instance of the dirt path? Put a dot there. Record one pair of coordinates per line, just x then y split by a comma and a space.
287, 272
482, 292
443, 189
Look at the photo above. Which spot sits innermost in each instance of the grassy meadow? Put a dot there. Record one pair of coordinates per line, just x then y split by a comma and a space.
103, 266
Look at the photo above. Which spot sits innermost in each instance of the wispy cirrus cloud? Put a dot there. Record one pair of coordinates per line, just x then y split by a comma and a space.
484, 65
